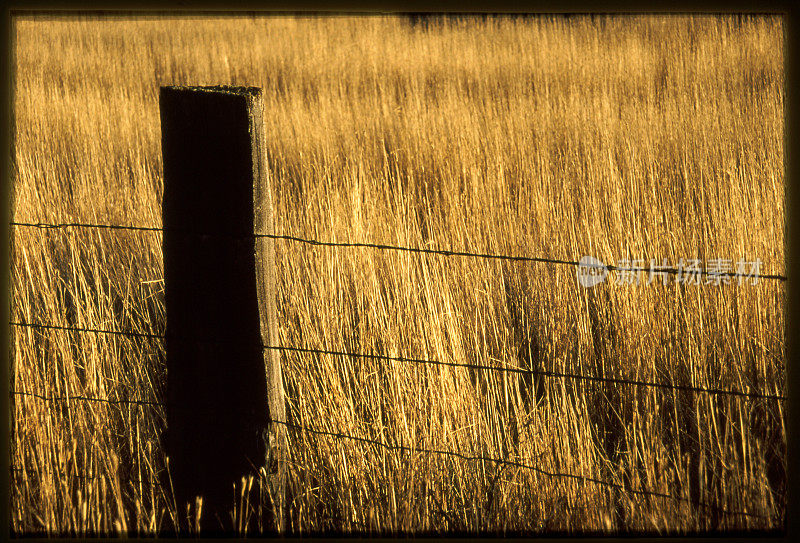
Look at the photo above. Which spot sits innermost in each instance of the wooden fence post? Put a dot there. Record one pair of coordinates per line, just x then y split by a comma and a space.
223, 389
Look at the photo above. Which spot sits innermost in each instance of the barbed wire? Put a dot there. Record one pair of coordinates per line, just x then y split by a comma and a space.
419, 250
514, 463
526, 371
500, 461
48, 226
544, 373
397, 447
444, 252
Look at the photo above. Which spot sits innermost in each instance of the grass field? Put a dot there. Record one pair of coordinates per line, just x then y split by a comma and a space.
619, 137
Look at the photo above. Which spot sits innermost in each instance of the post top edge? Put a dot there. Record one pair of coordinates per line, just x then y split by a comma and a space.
215, 89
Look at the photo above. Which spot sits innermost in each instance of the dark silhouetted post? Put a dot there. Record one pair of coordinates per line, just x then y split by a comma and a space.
223, 388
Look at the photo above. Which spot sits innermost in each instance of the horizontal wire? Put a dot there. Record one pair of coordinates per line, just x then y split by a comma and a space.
421, 250
511, 463
443, 252
463, 456
544, 373
87, 225
517, 464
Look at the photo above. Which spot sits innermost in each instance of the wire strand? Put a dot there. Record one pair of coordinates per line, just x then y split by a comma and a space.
49, 226
517, 464
419, 250
630, 382
483, 458
544, 373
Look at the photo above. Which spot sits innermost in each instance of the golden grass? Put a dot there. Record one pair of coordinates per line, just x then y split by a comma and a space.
620, 137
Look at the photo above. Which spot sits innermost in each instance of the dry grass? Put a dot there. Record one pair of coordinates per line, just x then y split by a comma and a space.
651, 137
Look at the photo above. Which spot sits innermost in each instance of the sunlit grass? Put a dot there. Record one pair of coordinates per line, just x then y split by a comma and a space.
621, 137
